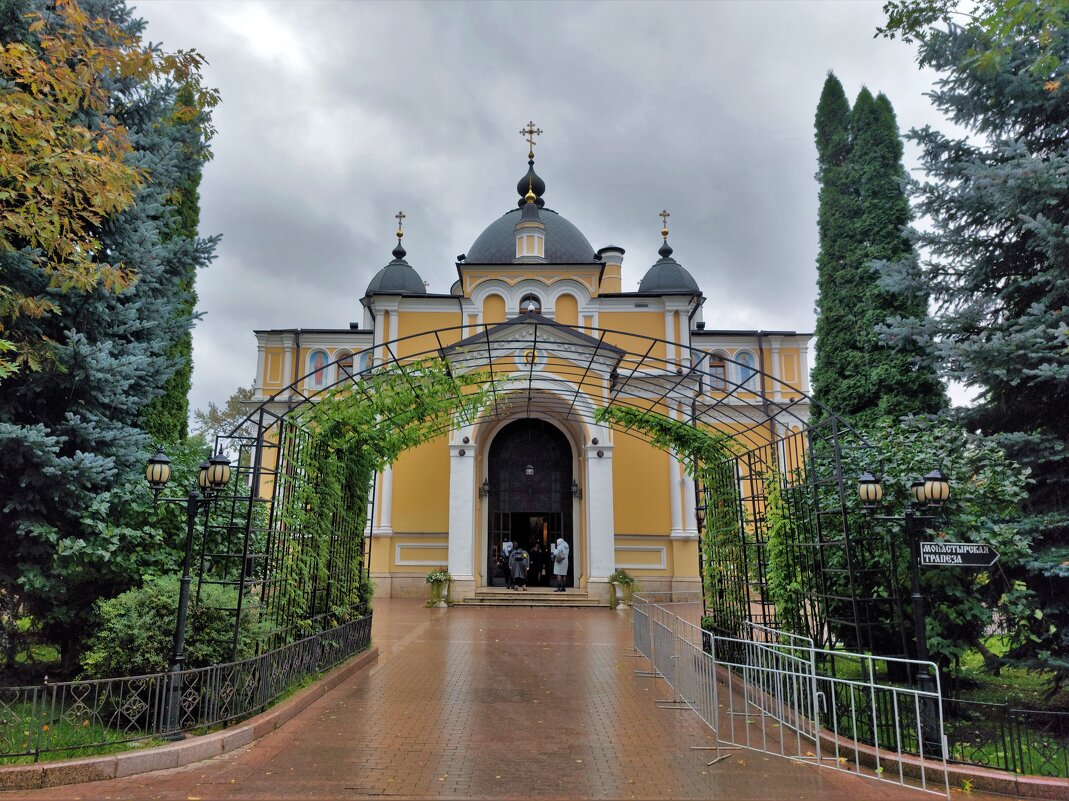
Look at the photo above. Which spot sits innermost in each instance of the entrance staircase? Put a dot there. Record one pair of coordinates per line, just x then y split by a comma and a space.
534, 596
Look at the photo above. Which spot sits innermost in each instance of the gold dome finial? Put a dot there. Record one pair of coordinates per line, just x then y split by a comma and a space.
530, 197
664, 215
400, 221
529, 133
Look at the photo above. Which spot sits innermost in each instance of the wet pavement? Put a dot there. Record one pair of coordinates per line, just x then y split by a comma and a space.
491, 703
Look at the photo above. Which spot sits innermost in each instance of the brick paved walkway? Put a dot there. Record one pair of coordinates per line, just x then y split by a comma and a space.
490, 703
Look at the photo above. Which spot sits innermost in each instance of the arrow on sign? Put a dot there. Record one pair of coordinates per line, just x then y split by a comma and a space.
957, 554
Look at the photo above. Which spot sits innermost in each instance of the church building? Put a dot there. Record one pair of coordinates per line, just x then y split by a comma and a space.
529, 473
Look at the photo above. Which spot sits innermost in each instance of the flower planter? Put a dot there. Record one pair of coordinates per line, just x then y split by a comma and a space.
439, 594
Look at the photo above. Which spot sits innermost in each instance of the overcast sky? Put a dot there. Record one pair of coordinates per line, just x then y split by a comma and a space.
335, 115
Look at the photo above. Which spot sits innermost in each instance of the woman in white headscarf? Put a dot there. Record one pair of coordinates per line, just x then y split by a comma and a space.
560, 563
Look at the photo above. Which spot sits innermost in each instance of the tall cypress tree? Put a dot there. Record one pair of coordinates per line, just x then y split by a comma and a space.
167, 417
835, 223
860, 372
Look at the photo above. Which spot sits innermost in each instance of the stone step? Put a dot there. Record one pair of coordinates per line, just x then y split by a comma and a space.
534, 596
562, 603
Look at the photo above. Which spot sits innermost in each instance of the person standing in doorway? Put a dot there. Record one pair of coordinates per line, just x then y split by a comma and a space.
538, 565
506, 563
560, 563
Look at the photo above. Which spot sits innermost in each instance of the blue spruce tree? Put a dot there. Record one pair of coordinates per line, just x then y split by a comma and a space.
71, 437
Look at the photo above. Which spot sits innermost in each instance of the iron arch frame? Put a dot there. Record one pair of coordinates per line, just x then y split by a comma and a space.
784, 435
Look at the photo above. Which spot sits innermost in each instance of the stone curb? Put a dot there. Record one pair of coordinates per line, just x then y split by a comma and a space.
183, 752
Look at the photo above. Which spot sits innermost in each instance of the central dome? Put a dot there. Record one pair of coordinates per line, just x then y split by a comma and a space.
565, 244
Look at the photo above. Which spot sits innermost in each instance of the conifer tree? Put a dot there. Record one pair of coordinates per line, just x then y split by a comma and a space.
71, 437
167, 417
863, 213
996, 264
835, 219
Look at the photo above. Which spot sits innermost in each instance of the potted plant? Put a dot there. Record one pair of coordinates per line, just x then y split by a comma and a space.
439, 579
623, 586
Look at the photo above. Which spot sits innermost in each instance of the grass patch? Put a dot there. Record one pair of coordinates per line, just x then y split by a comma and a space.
23, 730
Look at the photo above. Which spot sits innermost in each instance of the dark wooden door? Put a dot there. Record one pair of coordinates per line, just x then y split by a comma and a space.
530, 474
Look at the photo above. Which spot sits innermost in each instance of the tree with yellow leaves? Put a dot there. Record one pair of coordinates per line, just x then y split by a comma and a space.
64, 163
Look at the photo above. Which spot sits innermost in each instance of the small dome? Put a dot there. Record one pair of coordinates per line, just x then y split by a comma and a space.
565, 244
531, 183
456, 289
396, 278
668, 277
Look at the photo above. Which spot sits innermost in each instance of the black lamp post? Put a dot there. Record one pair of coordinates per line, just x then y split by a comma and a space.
211, 478
930, 492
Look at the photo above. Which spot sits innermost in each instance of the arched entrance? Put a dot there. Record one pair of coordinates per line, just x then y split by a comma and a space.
529, 473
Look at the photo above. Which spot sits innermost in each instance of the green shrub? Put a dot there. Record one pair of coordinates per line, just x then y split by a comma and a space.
134, 632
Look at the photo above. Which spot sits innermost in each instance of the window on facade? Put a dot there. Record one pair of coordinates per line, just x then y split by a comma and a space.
530, 304
346, 368
317, 368
718, 373
530, 245
747, 370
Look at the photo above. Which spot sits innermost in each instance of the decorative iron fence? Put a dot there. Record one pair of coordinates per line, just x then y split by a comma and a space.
70, 718
998, 736
781, 548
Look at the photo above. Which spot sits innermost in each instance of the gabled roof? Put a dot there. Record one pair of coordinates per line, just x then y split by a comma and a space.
537, 320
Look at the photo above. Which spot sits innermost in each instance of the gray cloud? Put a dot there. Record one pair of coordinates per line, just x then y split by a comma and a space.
337, 114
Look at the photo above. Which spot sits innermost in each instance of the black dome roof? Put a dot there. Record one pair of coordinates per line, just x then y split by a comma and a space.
396, 278
565, 244
668, 276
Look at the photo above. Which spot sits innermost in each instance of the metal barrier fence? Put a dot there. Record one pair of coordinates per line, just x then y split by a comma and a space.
772, 693
75, 716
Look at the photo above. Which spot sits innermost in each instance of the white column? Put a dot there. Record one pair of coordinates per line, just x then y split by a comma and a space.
690, 525
261, 379
462, 512
669, 336
288, 373
600, 527
385, 526
673, 493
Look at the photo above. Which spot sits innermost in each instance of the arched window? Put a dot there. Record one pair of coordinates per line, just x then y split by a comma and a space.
364, 362
747, 370
530, 304
346, 368
718, 372
317, 368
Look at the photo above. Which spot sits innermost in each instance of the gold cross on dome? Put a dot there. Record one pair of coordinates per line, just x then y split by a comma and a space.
529, 133
664, 215
400, 217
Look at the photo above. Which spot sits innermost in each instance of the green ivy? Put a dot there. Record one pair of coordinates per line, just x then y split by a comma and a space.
350, 433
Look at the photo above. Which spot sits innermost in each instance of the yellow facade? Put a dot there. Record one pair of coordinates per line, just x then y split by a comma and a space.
617, 500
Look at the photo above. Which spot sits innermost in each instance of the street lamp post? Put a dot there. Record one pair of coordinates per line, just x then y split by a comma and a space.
212, 476
931, 492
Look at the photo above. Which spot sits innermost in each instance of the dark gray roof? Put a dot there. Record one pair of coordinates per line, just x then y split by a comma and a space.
396, 278
668, 276
564, 242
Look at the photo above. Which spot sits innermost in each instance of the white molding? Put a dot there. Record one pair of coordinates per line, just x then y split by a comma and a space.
414, 562
663, 550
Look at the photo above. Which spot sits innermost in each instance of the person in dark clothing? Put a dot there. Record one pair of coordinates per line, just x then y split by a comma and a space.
538, 565
506, 564
520, 562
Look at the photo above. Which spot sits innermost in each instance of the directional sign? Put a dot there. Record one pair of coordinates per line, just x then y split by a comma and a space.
957, 554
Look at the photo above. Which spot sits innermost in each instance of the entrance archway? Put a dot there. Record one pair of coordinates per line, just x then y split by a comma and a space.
529, 473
